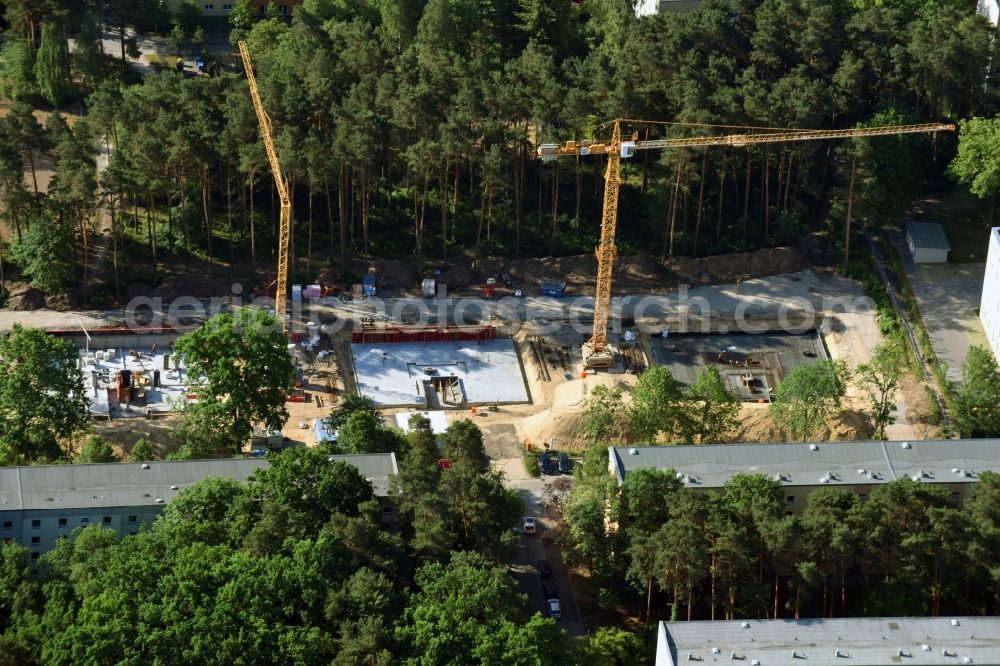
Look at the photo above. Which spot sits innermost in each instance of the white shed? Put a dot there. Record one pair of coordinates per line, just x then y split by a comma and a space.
927, 242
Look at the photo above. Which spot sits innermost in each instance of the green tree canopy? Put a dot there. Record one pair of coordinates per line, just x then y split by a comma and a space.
977, 411
977, 163
97, 450
808, 396
311, 486
880, 379
42, 402
239, 366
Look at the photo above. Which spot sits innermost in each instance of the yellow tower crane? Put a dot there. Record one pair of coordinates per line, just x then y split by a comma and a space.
285, 224
597, 353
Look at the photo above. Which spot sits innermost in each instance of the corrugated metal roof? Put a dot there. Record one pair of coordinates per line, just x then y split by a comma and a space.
839, 463
929, 235
818, 642
141, 484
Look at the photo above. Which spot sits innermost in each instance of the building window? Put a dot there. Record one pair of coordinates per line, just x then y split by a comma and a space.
209, 8
106, 520
8, 524
36, 540
227, 8
788, 513
62, 522
34, 557
790, 499
84, 520
133, 519
133, 533
36, 523
863, 497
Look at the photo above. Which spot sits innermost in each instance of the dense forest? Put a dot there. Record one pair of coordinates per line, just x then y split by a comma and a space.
410, 129
295, 567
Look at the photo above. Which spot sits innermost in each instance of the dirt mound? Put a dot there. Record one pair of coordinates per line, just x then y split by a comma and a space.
71, 299
25, 297
639, 267
758, 426
138, 289
191, 286
729, 267
457, 277
403, 273
124, 433
561, 425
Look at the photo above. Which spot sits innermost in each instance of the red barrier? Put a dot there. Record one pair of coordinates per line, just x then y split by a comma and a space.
392, 335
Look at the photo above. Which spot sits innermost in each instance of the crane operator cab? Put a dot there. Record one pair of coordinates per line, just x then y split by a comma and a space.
628, 149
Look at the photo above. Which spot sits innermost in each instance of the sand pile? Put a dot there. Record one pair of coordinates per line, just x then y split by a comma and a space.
758, 426
560, 425
729, 267
24, 297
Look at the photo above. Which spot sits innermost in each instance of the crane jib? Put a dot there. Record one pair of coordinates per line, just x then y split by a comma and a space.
597, 352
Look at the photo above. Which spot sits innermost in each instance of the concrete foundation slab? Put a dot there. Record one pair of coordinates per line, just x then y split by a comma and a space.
439, 375
159, 387
750, 364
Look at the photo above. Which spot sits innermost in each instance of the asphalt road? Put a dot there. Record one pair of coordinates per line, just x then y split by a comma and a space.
530, 551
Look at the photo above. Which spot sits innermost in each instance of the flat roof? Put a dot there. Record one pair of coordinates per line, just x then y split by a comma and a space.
393, 374
145, 484
928, 235
865, 641
808, 464
101, 367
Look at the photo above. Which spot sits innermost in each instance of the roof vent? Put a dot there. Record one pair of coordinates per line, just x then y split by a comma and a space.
159, 500
754, 662
679, 475
794, 655
945, 653
633, 452
745, 625
814, 447
917, 477
823, 479
173, 487
901, 653
966, 660
906, 445
837, 654
145, 465
955, 623
925, 647
716, 650
732, 654
955, 470
862, 471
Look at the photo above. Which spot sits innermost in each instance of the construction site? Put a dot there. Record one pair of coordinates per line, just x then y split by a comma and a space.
525, 368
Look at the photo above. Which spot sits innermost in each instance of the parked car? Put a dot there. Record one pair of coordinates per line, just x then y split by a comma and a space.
545, 465
555, 612
529, 525
565, 464
544, 570
549, 590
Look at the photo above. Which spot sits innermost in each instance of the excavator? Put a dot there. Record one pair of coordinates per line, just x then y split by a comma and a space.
597, 352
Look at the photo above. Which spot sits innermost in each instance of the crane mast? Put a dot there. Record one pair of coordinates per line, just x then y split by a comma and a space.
597, 353
285, 222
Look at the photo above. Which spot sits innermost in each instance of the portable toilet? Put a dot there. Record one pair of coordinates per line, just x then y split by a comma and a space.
369, 283
429, 288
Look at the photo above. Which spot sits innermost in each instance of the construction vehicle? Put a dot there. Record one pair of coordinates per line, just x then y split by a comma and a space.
285, 220
596, 352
